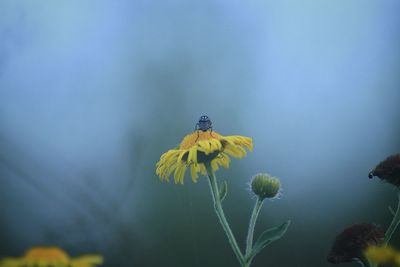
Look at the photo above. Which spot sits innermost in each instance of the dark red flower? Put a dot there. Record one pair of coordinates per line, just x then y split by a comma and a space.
350, 244
388, 170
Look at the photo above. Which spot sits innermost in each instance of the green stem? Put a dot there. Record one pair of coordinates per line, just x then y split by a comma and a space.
364, 262
252, 224
220, 213
393, 225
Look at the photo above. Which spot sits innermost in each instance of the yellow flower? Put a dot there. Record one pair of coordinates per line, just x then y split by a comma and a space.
200, 147
383, 255
51, 257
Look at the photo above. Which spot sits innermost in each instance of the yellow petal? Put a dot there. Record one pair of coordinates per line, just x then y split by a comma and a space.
224, 160
234, 150
214, 165
87, 261
180, 173
204, 146
11, 262
203, 170
194, 169
192, 158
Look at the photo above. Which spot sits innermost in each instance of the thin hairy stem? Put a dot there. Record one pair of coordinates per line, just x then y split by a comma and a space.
252, 224
395, 222
220, 214
364, 262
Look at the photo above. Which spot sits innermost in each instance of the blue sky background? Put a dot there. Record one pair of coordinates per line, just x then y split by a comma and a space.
93, 92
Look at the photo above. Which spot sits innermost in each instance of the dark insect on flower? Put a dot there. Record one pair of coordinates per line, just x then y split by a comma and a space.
204, 124
388, 170
350, 244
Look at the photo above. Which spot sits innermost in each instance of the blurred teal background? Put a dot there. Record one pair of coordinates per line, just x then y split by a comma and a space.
93, 92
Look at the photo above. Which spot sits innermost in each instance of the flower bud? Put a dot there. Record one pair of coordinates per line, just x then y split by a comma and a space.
265, 185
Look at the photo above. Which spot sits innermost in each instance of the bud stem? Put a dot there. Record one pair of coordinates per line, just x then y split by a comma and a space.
220, 213
252, 224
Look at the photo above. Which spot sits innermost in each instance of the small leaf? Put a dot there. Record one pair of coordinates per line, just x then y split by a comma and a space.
267, 237
223, 190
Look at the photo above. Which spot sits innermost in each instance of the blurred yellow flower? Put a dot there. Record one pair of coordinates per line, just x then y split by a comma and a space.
200, 147
383, 255
51, 257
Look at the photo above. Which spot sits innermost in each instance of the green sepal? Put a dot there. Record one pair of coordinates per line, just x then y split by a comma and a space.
223, 190
267, 237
